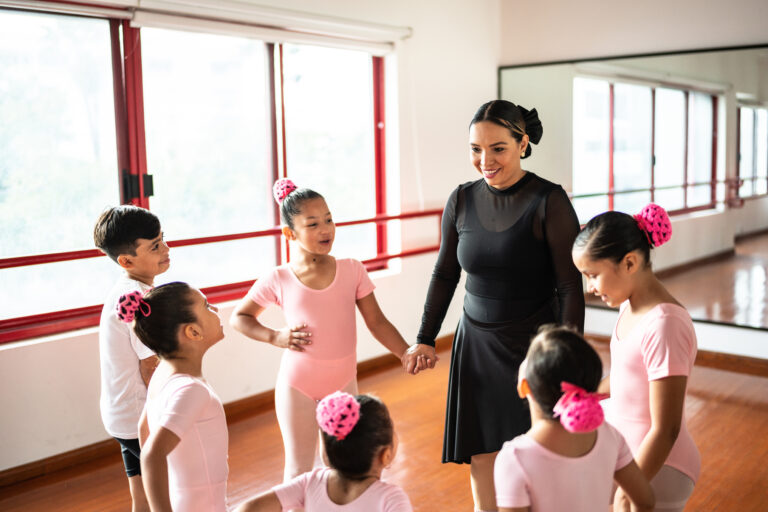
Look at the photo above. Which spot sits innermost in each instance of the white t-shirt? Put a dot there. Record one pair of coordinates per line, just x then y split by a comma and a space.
309, 491
528, 475
123, 392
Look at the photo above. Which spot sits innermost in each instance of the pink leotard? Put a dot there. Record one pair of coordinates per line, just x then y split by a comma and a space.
310, 492
661, 345
329, 363
197, 466
526, 474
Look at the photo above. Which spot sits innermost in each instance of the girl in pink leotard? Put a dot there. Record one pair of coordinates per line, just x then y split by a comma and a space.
358, 443
318, 295
183, 430
653, 348
569, 458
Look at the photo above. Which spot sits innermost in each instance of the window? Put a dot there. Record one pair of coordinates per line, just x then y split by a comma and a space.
635, 144
753, 151
208, 121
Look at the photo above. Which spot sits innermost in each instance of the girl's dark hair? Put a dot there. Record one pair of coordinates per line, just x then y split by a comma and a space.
611, 235
118, 228
556, 355
291, 205
171, 307
518, 120
353, 456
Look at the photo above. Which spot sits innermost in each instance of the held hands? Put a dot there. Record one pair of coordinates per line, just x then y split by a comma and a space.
292, 338
419, 357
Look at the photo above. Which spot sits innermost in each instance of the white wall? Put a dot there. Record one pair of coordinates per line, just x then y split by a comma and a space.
442, 73
552, 30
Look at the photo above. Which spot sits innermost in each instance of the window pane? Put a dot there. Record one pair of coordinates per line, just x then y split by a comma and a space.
77, 284
221, 263
761, 150
670, 140
670, 199
591, 133
588, 207
746, 150
329, 136
632, 138
631, 203
205, 105
699, 195
700, 138
58, 157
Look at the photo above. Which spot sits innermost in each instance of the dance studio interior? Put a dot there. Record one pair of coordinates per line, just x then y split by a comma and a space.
193, 108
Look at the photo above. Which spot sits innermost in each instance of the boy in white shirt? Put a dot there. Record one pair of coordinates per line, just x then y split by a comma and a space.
130, 236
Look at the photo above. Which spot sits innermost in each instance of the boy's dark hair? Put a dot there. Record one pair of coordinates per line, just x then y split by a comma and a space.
353, 456
291, 205
118, 228
611, 236
171, 307
556, 355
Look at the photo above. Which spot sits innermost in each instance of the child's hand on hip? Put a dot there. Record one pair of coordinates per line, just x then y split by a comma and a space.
293, 338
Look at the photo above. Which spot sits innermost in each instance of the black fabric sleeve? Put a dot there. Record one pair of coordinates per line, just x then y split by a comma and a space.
561, 225
445, 276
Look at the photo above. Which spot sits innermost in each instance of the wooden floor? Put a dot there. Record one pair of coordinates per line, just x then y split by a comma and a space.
733, 290
727, 415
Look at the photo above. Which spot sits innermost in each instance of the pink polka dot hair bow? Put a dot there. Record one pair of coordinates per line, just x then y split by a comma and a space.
337, 414
579, 410
654, 222
282, 188
129, 303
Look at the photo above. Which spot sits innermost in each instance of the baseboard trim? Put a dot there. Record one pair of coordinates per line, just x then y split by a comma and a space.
235, 411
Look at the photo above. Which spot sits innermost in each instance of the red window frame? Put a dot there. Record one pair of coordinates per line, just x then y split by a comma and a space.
612, 192
132, 160
740, 176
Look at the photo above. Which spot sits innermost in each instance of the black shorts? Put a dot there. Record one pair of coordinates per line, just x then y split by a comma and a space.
131, 456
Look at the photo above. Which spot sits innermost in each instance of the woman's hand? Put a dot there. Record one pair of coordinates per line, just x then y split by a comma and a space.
419, 357
292, 338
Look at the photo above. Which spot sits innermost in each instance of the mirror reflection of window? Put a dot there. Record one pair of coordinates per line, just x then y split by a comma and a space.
669, 148
591, 138
700, 119
632, 146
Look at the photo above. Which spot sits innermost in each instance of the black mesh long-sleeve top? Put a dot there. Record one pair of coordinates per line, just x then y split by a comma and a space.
515, 246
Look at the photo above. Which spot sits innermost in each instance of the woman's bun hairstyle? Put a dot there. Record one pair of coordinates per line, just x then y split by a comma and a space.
519, 120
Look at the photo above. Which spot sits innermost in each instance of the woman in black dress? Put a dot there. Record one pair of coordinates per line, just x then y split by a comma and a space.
512, 233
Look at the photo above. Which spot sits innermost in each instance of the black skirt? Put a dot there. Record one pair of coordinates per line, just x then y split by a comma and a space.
484, 410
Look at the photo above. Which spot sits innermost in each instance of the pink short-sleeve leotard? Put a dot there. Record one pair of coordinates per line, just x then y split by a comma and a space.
310, 492
526, 474
662, 344
329, 363
197, 466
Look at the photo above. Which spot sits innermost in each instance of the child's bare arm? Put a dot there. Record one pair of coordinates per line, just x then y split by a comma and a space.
266, 502
154, 468
381, 328
245, 319
634, 485
143, 428
147, 368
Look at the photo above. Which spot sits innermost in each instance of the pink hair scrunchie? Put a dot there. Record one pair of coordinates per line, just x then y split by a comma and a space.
128, 304
282, 188
654, 222
579, 410
337, 414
